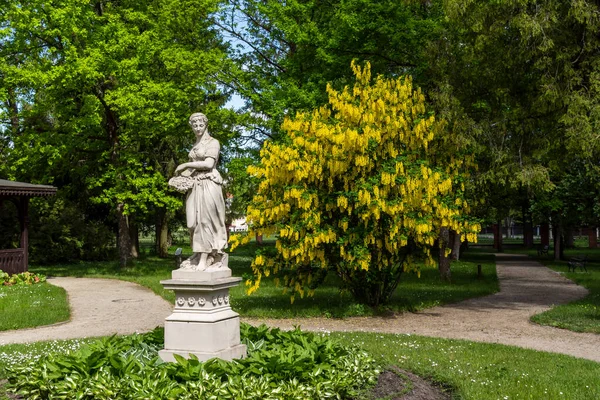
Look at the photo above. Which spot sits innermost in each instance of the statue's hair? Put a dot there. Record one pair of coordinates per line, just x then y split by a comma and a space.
198, 115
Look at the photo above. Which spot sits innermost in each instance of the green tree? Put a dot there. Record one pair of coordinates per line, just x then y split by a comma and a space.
526, 71
292, 50
96, 95
352, 190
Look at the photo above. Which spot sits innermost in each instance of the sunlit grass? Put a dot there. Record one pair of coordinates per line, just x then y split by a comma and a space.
26, 306
477, 371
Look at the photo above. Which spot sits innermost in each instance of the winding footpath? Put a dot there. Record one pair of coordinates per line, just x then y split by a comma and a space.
103, 307
526, 288
99, 307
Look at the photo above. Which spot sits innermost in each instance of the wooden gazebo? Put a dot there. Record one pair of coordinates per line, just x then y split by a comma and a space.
16, 261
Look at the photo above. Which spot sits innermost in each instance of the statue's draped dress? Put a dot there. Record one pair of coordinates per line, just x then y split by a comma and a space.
205, 206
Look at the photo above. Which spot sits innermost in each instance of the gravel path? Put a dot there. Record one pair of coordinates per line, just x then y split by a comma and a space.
99, 307
103, 307
526, 288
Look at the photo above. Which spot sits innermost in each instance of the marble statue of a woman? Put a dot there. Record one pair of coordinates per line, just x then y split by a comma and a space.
205, 206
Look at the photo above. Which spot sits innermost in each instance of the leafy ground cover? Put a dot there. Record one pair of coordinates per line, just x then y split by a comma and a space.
24, 278
279, 365
472, 371
582, 315
26, 306
15, 355
269, 301
476, 371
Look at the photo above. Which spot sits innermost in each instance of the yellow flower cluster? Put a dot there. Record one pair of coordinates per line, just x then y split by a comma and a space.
354, 183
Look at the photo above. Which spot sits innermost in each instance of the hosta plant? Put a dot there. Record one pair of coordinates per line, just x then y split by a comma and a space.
279, 365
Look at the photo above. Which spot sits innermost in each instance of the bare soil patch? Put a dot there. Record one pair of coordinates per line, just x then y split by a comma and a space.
398, 384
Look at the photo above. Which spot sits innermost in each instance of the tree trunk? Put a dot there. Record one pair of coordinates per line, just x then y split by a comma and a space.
162, 233
496, 231
124, 241
545, 234
592, 238
556, 233
527, 228
508, 225
443, 260
134, 237
528, 234
455, 243
498, 237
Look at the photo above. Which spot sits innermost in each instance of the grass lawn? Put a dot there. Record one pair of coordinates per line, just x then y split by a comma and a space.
484, 371
582, 315
473, 371
412, 294
26, 306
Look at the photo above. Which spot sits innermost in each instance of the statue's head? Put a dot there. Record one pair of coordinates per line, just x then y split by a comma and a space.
199, 116
198, 122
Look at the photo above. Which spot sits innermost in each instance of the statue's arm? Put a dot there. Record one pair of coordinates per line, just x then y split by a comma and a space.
205, 165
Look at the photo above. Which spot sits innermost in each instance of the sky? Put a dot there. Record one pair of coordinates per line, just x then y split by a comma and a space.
235, 103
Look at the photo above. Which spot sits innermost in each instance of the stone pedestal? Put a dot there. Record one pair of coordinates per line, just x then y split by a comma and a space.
202, 323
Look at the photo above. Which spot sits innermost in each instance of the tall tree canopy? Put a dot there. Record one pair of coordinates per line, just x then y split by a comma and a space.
292, 50
527, 72
96, 94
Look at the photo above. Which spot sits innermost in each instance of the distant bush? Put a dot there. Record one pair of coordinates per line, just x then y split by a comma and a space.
60, 231
280, 365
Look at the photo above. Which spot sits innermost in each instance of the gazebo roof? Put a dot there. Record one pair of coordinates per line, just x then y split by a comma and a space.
12, 188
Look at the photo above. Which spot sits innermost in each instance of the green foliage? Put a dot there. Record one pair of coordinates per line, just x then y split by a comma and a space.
280, 365
292, 50
61, 231
240, 186
470, 370
24, 278
526, 73
96, 97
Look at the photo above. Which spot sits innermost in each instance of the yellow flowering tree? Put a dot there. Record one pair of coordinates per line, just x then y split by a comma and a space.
352, 190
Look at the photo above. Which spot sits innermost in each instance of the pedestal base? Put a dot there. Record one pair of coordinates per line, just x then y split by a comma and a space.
202, 323
229, 354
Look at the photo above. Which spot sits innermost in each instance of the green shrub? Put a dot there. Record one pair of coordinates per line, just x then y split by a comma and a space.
24, 278
62, 231
279, 365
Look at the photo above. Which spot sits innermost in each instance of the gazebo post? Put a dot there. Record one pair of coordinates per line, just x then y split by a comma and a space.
15, 261
24, 220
